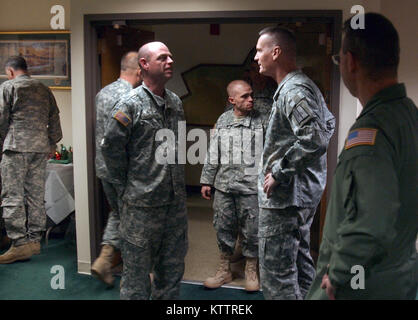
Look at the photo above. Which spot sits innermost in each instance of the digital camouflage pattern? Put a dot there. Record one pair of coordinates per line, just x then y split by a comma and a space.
153, 222
286, 266
106, 100
297, 137
29, 129
263, 100
155, 241
372, 217
229, 176
236, 213
235, 202
29, 116
129, 148
111, 231
24, 171
296, 142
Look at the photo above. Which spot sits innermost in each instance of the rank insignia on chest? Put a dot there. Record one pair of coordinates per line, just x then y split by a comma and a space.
122, 118
359, 137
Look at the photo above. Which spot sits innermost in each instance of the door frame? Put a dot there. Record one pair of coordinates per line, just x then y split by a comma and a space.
92, 81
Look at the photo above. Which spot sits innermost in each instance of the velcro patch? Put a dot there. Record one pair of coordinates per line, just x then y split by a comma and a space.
359, 137
122, 118
302, 113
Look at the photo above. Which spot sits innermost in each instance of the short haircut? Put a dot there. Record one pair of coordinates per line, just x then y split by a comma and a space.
231, 88
17, 63
129, 61
283, 37
376, 46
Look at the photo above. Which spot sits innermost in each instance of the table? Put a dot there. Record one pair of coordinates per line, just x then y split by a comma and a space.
59, 191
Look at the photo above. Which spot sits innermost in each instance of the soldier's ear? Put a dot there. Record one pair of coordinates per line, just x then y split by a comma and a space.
10, 72
231, 100
352, 63
143, 63
276, 52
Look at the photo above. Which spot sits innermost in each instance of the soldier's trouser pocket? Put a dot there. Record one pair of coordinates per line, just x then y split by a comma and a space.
278, 250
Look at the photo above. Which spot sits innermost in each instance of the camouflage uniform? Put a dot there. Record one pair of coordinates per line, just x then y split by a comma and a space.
106, 99
29, 129
297, 137
263, 100
153, 221
235, 202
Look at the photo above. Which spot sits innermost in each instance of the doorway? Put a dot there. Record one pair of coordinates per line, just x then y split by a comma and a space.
318, 38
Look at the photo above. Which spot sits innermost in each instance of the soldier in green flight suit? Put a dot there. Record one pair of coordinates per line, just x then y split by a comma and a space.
368, 245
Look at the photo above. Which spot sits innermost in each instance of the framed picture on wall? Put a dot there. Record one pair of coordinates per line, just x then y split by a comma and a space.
47, 54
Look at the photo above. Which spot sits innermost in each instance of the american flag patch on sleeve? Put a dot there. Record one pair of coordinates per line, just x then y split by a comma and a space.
359, 137
122, 118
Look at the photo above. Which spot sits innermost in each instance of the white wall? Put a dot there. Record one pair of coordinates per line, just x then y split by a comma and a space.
404, 16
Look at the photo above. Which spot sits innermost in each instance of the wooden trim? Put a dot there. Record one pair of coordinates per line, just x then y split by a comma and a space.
92, 85
60, 88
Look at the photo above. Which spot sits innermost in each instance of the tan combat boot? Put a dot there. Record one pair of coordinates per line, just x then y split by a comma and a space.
35, 246
251, 277
222, 276
19, 253
102, 267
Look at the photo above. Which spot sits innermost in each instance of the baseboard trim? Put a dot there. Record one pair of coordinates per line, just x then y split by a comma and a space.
84, 267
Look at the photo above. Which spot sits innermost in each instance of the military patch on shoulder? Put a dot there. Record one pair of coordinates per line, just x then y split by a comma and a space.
302, 113
361, 137
122, 118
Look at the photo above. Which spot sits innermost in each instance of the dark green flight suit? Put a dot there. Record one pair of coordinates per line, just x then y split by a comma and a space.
372, 217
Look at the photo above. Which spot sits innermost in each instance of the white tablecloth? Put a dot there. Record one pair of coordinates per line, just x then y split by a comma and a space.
59, 191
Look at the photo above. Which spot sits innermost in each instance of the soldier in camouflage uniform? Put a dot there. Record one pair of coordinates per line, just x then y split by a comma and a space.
29, 130
106, 99
293, 174
153, 219
235, 201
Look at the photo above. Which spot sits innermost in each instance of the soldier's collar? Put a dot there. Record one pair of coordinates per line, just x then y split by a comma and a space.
25, 75
160, 101
282, 83
125, 82
244, 121
397, 91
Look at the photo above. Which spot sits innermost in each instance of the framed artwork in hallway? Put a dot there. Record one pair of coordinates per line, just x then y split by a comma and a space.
47, 54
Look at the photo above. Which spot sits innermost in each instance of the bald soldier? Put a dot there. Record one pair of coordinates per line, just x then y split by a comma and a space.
235, 182
153, 219
106, 99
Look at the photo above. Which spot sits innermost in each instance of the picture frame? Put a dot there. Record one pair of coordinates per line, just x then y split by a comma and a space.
47, 54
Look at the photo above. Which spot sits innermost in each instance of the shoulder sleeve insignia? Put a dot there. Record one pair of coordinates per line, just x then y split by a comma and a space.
122, 118
362, 136
302, 113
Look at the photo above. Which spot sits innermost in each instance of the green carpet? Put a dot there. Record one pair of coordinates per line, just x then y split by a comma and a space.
31, 280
